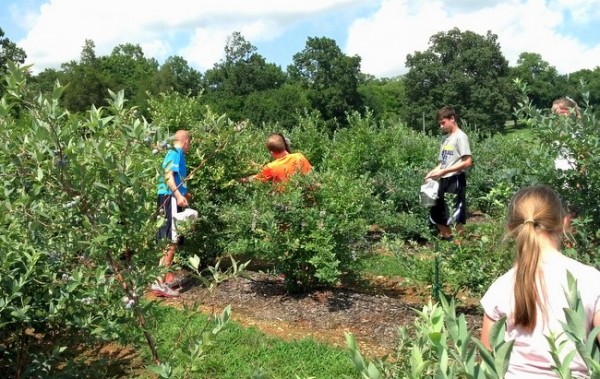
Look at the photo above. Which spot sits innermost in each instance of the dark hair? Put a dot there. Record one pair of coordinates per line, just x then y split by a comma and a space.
286, 142
446, 112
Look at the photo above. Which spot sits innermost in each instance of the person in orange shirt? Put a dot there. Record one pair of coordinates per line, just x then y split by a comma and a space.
285, 164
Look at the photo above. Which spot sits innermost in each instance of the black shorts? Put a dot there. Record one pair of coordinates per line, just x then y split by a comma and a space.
451, 205
167, 207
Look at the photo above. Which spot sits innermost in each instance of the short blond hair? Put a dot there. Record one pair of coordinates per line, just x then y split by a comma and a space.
566, 102
182, 136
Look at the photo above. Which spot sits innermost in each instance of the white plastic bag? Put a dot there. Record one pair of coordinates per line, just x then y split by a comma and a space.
187, 214
429, 192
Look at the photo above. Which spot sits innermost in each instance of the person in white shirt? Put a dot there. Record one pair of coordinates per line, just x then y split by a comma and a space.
532, 294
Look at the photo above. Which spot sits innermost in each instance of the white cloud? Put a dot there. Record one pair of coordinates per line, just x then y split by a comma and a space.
195, 30
401, 27
582, 11
156, 48
397, 29
470, 5
205, 47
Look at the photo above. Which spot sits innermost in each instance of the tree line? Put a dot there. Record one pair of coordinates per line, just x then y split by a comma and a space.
459, 68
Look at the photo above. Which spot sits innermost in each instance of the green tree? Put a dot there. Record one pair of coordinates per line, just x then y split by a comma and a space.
462, 69
45, 80
8, 51
127, 68
385, 97
243, 72
577, 136
591, 82
69, 202
87, 83
330, 78
72, 204
543, 81
89, 79
279, 105
176, 75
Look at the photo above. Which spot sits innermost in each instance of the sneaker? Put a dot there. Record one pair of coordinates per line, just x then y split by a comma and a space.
162, 290
178, 282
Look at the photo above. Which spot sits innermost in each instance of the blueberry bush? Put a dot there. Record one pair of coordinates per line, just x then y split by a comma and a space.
77, 208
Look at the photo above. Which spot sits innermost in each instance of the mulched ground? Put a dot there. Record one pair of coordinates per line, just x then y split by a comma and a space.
371, 311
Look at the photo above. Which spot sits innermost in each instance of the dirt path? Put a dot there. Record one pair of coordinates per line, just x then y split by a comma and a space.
261, 301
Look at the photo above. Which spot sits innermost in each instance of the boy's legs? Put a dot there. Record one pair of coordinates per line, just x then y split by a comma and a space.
439, 212
445, 231
460, 229
166, 261
161, 285
442, 215
167, 206
458, 213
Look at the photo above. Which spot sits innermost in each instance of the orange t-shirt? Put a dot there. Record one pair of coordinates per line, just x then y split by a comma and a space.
281, 169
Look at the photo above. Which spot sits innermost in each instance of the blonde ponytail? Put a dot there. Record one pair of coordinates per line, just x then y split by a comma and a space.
532, 210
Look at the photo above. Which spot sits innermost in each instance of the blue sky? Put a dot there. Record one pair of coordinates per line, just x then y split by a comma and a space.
566, 33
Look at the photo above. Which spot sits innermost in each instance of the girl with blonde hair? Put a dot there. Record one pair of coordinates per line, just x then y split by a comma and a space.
532, 294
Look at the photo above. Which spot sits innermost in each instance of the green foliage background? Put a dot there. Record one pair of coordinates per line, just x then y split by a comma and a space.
78, 193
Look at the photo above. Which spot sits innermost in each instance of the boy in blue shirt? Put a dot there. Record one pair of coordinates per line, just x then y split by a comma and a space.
172, 199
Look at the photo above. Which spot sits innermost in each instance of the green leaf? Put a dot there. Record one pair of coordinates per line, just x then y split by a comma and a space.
194, 262
443, 356
435, 338
502, 357
355, 354
592, 341
417, 364
123, 179
486, 355
575, 325
373, 372
497, 332
565, 369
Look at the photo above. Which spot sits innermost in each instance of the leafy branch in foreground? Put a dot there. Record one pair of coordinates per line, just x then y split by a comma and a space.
440, 345
76, 200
